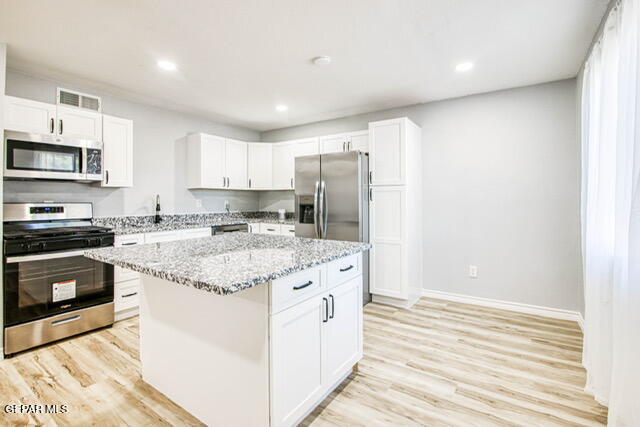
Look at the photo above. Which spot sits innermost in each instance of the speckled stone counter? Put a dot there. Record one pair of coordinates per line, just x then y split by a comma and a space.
123, 225
228, 263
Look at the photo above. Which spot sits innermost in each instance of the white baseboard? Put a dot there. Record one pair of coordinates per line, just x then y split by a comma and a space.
555, 313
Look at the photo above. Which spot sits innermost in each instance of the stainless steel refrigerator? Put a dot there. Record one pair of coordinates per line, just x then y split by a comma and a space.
332, 200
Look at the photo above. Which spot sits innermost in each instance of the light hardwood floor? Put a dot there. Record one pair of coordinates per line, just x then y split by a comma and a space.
439, 363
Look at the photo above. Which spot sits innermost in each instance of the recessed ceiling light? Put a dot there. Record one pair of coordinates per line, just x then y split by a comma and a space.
167, 65
321, 60
281, 108
464, 66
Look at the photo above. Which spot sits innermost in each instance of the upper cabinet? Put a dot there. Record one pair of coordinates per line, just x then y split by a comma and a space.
342, 142
259, 165
117, 152
387, 142
236, 164
284, 154
78, 123
24, 115
214, 162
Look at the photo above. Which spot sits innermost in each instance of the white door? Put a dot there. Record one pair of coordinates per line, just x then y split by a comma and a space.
24, 115
259, 166
117, 152
387, 212
283, 166
296, 360
77, 123
358, 141
343, 345
333, 143
212, 152
387, 152
236, 164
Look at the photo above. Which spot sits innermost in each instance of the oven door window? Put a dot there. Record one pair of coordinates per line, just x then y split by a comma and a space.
35, 289
34, 156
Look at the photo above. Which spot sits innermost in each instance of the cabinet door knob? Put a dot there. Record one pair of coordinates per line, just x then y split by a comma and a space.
249, 182
52, 124
106, 173
326, 310
344, 143
333, 307
291, 182
60, 130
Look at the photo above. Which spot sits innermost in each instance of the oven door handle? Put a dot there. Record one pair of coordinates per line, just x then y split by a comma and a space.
41, 257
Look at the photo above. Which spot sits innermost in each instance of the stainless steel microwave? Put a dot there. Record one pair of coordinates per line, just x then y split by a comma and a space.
36, 156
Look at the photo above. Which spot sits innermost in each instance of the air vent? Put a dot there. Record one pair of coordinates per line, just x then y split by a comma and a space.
79, 100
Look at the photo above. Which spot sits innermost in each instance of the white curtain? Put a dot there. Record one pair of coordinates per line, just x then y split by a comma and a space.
611, 215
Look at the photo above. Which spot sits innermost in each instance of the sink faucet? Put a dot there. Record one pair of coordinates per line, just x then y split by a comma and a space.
157, 217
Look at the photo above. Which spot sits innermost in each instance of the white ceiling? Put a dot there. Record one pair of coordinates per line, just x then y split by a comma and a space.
237, 59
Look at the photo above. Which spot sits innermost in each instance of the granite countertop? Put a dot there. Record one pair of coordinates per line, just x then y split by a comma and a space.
123, 225
227, 263
170, 226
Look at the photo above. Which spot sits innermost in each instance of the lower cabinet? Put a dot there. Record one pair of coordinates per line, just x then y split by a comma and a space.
269, 228
315, 344
272, 228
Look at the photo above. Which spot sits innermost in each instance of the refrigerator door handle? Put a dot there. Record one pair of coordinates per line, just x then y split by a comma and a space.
316, 210
324, 210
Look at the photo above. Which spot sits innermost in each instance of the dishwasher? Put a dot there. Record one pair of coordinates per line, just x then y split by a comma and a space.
223, 229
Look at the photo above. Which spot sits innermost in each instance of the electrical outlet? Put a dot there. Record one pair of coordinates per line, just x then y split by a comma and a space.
198, 203
473, 271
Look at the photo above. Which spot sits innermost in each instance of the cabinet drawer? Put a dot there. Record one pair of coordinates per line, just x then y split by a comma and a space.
269, 228
194, 233
162, 236
123, 274
292, 289
126, 295
288, 230
343, 269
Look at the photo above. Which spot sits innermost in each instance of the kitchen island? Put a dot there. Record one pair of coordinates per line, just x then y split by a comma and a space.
245, 329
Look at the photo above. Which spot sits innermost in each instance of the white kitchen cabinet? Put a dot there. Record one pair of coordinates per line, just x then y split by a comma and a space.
123, 274
205, 161
126, 298
268, 228
296, 367
25, 115
214, 162
117, 152
259, 165
315, 343
343, 330
163, 236
236, 164
333, 143
78, 123
387, 151
284, 154
288, 230
386, 234
358, 141
195, 233
254, 227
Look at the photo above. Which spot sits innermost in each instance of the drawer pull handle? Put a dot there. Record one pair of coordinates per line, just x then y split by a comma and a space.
129, 295
65, 320
271, 229
129, 244
333, 307
342, 270
325, 319
309, 283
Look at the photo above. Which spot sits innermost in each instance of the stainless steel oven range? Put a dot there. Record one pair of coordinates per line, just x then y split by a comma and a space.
51, 291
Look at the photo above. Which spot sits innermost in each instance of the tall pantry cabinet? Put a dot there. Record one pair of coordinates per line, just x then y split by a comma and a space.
395, 204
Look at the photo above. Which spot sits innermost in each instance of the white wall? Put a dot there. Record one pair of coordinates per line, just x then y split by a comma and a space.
3, 67
159, 159
501, 191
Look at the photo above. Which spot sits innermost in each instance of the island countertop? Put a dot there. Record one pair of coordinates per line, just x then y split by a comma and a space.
227, 263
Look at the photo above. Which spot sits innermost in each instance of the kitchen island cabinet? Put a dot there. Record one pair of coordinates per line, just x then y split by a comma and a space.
247, 329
